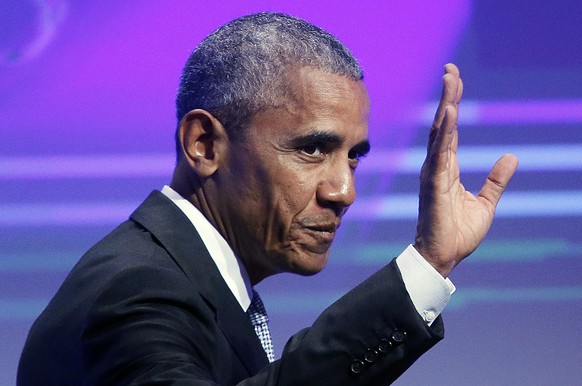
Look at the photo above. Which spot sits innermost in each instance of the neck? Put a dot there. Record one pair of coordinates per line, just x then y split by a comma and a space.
204, 195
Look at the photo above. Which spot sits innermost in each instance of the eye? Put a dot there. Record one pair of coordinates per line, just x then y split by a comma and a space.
355, 155
312, 149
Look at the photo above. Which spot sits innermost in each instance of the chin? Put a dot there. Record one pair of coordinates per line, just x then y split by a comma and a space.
309, 264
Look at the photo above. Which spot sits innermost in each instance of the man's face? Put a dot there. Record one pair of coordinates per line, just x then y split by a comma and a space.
291, 179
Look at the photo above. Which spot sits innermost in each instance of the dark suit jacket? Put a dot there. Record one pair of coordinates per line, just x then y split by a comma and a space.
147, 305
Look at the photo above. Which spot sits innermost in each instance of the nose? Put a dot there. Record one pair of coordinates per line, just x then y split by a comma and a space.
337, 189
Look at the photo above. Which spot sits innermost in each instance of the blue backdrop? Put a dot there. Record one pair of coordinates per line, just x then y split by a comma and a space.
87, 119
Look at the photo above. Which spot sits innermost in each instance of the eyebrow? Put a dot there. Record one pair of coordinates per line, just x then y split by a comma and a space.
323, 137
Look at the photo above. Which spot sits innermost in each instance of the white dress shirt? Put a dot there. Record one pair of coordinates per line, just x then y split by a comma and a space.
429, 291
230, 267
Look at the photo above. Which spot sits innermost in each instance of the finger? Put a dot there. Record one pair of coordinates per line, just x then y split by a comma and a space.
498, 179
451, 95
452, 69
455, 140
445, 141
459, 92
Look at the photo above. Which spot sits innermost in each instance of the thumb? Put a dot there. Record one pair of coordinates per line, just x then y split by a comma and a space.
498, 179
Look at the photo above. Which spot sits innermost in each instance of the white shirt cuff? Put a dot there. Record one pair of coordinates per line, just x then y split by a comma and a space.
429, 291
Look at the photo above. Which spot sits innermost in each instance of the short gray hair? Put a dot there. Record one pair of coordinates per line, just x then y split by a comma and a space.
240, 69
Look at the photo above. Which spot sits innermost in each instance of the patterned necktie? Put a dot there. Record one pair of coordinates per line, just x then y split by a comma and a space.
260, 321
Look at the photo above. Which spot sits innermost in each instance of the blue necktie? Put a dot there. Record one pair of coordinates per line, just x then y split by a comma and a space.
260, 321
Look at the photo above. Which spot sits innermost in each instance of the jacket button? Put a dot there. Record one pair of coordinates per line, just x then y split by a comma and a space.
384, 346
357, 366
371, 355
398, 337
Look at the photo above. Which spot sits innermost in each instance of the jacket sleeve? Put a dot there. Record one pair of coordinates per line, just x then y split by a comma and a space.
147, 329
370, 336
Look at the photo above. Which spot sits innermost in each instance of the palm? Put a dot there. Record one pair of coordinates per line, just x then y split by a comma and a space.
452, 222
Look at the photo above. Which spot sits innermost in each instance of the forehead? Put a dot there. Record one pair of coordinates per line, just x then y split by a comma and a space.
309, 87
317, 100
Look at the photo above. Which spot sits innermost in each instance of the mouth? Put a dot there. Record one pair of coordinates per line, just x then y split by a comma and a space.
324, 233
329, 228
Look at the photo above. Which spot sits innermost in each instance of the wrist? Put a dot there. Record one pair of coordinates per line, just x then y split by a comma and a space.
443, 266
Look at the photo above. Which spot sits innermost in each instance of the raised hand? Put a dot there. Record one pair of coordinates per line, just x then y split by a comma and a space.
452, 222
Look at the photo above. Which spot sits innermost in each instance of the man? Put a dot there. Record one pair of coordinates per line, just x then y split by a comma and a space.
272, 123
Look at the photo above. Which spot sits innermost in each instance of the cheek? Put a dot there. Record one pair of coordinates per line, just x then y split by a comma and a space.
286, 204
299, 183
286, 192
295, 197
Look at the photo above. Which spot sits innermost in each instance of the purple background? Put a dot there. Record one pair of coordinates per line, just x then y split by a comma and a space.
87, 93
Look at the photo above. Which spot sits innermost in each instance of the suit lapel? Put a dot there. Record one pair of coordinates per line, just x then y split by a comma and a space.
179, 237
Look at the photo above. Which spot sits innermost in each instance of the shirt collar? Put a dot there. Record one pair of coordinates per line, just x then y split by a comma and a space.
230, 267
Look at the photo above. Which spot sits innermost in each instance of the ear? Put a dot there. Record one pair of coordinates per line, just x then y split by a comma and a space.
204, 142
